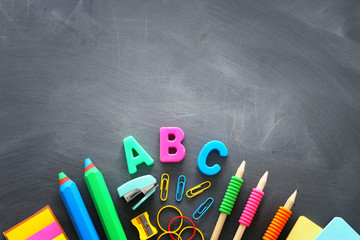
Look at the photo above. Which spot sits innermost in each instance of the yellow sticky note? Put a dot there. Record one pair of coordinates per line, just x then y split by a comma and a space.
60, 237
304, 229
43, 225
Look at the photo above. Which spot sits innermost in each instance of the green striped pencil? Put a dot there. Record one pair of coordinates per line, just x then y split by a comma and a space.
229, 200
103, 202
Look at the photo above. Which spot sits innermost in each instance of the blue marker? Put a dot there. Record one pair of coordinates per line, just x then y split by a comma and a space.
75, 206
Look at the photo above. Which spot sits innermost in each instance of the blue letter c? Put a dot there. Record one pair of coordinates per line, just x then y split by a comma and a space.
213, 145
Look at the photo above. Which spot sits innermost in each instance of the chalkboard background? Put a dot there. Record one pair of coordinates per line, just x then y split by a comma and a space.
276, 81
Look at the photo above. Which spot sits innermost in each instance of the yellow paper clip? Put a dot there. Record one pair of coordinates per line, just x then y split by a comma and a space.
164, 178
199, 189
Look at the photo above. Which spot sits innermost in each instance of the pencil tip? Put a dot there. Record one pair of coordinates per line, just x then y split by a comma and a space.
87, 162
63, 178
242, 165
266, 174
62, 175
294, 194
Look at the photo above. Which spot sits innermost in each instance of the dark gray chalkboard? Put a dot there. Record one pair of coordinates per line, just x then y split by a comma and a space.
276, 81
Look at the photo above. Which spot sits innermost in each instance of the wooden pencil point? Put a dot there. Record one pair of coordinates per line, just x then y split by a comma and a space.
262, 181
240, 171
291, 200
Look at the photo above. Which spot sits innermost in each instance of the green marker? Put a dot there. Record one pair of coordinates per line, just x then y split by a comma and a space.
103, 202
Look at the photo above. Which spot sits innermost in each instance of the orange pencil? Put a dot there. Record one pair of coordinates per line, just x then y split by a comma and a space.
280, 219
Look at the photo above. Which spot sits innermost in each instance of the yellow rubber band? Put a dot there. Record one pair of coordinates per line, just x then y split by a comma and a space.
179, 238
158, 222
201, 234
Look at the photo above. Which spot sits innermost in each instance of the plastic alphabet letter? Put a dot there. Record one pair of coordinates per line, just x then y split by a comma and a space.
166, 144
131, 146
213, 145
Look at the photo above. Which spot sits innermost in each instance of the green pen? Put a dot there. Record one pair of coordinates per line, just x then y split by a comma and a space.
103, 202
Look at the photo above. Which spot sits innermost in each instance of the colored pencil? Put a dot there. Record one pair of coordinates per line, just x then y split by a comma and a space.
229, 200
75, 206
280, 219
251, 207
103, 202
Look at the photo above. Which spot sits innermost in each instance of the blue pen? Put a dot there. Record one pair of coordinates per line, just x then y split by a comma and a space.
75, 206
